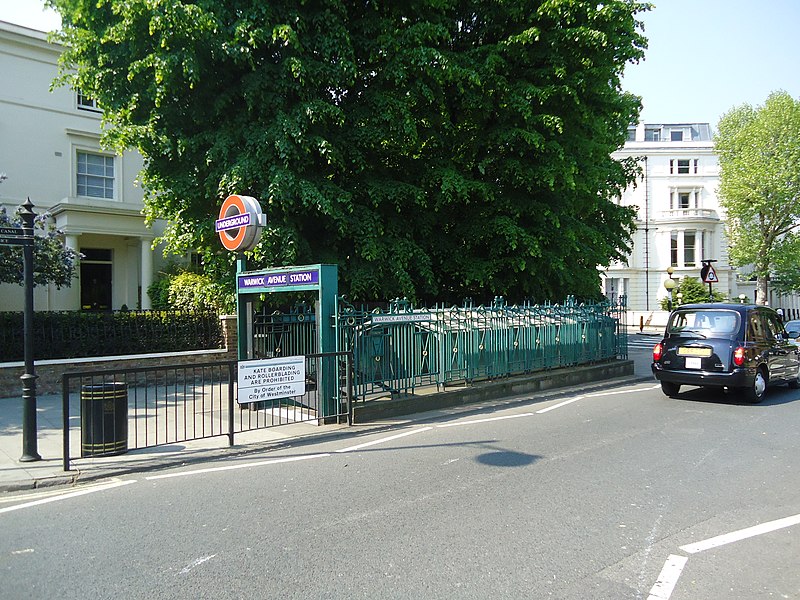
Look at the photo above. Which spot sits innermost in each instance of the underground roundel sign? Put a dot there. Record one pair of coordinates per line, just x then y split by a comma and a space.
239, 224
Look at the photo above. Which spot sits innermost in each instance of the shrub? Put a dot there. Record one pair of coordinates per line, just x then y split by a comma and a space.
72, 334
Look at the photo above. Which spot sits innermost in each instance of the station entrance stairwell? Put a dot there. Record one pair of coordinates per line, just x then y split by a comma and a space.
306, 329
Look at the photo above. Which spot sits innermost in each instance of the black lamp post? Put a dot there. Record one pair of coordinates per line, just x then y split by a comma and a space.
29, 441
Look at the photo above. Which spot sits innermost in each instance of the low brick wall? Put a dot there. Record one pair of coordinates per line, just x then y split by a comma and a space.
49, 372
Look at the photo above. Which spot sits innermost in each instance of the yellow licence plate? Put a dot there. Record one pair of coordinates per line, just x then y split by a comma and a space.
689, 351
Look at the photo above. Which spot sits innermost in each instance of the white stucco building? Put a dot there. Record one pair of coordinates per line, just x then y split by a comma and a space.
50, 150
679, 219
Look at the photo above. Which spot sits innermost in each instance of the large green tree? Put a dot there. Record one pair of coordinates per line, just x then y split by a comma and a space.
759, 157
432, 148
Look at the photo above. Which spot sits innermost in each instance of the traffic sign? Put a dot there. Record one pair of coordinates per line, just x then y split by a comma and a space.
708, 274
272, 378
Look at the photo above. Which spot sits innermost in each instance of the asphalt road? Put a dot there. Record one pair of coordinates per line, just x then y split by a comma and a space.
611, 495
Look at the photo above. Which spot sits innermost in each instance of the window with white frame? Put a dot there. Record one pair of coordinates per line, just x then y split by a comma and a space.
95, 175
684, 198
676, 136
686, 248
651, 134
673, 250
689, 248
683, 166
87, 103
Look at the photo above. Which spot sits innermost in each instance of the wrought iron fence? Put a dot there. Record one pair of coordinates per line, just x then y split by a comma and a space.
291, 333
401, 348
110, 412
70, 334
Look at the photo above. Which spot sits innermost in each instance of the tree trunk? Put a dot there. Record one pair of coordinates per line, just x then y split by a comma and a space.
761, 289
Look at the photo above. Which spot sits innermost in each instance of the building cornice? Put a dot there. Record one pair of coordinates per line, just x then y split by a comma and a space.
32, 38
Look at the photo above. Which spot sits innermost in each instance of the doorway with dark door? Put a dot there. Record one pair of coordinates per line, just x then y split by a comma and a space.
96, 279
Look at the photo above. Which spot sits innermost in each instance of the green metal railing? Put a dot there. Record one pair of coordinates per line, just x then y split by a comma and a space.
401, 348
398, 348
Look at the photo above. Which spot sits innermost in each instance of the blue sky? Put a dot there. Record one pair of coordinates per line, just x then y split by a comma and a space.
704, 56
707, 56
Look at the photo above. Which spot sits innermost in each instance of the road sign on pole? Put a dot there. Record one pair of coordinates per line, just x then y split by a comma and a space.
709, 276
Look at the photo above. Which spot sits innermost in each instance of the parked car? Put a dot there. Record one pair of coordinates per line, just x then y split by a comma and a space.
742, 347
793, 331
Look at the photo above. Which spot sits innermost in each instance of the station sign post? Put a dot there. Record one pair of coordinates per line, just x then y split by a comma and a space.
239, 227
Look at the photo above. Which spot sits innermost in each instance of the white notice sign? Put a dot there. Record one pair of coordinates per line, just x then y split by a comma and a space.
271, 378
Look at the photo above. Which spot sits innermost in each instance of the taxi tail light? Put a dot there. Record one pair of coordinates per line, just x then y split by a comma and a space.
738, 356
658, 352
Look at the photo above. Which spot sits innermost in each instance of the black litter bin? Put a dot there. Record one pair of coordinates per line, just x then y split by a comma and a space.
104, 419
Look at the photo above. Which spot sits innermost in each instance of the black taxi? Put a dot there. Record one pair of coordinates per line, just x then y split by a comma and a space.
742, 347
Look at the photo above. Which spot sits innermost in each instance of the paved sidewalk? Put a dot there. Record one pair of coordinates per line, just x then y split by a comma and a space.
16, 475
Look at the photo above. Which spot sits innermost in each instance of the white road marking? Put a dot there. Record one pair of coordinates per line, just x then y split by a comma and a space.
559, 405
594, 395
195, 563
68, 495
618, 392
668, 577
386, 439
488, 419
675, 563
259, 463
742, 534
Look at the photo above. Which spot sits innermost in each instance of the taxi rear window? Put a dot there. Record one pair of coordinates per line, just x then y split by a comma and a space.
716, 322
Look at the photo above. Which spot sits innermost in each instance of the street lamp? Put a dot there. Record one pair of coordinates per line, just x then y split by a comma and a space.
679, 296
742, 298
669, 284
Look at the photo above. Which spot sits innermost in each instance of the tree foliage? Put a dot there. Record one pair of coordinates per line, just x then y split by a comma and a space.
759, 156
432, 148
53, 262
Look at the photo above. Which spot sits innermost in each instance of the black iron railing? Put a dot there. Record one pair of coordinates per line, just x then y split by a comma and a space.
110, 412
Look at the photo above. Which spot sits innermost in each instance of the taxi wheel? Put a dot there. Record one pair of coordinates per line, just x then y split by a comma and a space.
670, 389
755, 393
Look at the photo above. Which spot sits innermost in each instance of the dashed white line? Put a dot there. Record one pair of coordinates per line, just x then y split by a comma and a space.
386, 439
487, 420
260, 463
619, 392
68, 495
594, 395
559, 405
